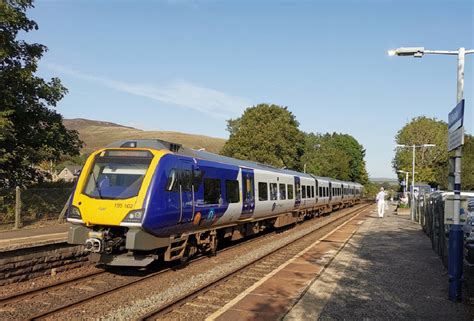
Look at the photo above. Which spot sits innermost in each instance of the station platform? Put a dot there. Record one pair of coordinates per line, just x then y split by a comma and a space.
370, 268
28, 237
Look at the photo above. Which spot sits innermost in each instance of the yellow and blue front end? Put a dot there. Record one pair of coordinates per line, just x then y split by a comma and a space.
109, 203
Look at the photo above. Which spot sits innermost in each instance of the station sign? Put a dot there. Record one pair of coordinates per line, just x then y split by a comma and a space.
456, 139
455, 127
456, 117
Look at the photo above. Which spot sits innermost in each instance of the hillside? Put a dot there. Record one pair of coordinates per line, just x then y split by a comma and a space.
381, 180
96, 134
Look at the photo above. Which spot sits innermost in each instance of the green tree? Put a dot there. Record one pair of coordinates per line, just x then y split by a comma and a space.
31, 131
467, 164
323, 158
267, 134
335, 155
431, 163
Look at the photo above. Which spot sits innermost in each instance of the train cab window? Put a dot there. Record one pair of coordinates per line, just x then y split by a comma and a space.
282, 191
303, 189
232, 191
212, 191
290, 191
273, 191
308, 191
172, 185
312, 191
262, 191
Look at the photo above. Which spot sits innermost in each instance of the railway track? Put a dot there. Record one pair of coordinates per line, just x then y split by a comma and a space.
95, 285
210, 297
37, 291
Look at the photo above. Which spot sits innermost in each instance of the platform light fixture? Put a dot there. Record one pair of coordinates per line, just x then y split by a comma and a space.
416, 52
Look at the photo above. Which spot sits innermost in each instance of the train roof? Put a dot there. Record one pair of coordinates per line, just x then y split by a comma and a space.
202, 154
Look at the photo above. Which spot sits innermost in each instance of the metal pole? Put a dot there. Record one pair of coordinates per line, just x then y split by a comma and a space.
406, 183
413, 186
455, 254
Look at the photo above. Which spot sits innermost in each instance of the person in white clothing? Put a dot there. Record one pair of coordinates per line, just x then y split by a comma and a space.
380, 199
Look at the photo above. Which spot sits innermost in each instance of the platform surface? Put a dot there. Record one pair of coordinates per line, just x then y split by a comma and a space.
15, 239
385, 269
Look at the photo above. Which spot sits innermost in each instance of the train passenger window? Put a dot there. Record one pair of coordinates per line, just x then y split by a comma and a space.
308, 191
312, 191
172, 185
303, 189
282, 191
186, 180
320, 191
232, 191
273, 191
327, 191
290, 191
262, 191
212, 191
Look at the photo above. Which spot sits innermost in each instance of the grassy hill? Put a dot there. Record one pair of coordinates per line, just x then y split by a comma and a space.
97, 134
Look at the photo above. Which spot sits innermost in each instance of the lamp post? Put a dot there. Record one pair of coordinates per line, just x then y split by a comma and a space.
412, 188
455, 232
406, 181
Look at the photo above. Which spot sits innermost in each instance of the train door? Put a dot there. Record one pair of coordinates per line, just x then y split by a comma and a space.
248, 193
316, 192
186, 190
297, 192
330, 191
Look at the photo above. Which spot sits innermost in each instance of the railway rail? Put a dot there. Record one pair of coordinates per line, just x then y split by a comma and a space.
90, 282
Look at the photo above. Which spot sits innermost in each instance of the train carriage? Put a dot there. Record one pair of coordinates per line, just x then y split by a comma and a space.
139, 200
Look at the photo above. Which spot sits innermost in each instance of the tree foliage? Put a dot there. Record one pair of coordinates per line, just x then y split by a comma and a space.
30, 130
335, 155
431, 164
267, 134
467, 164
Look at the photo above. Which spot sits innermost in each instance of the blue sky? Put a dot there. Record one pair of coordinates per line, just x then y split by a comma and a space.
190, 65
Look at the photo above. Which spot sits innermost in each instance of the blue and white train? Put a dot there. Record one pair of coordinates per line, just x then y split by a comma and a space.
137, 201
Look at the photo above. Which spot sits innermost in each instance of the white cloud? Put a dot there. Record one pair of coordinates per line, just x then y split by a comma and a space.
181, 93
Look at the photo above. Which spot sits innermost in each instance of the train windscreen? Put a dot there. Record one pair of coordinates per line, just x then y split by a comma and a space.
117, 174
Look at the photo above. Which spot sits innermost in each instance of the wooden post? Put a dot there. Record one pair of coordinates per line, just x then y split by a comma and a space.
17, 208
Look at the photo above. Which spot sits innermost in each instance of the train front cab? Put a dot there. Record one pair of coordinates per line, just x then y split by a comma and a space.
109, 203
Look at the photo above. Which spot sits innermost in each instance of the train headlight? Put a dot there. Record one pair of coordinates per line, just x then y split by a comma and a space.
74, 214
135, 216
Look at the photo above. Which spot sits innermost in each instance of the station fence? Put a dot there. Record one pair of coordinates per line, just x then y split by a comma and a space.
33, 206
429, 212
